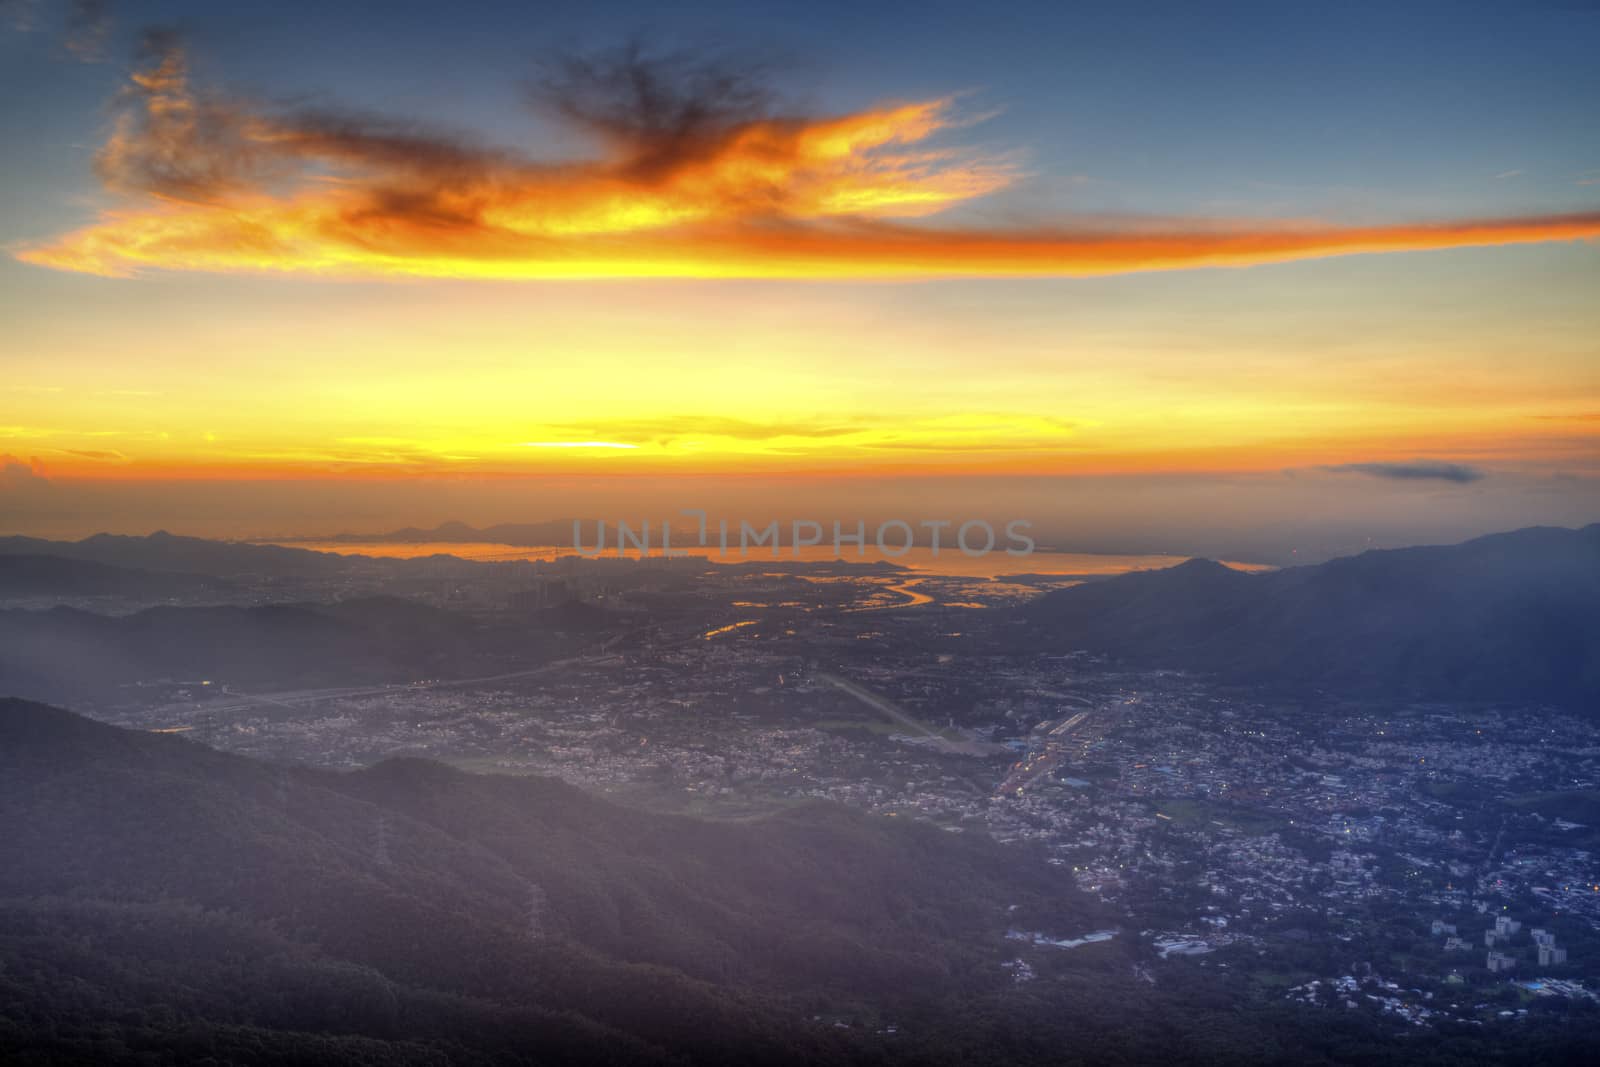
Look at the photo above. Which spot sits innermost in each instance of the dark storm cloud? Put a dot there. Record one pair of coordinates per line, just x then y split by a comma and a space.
659, 110
1415, 470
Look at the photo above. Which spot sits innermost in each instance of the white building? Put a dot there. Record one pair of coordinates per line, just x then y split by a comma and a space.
1549, 954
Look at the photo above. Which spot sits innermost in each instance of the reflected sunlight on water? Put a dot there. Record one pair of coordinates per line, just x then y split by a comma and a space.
947, 561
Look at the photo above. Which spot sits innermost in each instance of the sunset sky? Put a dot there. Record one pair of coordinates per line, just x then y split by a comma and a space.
303, 267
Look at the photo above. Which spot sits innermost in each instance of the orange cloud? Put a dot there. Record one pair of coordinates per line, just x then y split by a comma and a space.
698, 180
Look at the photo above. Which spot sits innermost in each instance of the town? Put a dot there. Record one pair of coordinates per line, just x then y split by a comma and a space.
1427, 862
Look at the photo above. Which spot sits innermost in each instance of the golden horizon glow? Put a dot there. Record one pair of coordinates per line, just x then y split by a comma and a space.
418, 379
900, 447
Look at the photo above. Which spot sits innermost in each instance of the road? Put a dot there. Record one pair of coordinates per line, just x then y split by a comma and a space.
1043, 760
296, 697
895, 713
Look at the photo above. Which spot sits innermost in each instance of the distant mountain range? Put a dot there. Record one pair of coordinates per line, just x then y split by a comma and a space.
175, 554
167, 554
59, 576
559, 533
521, 534
1508, 617
68, 654
172, 554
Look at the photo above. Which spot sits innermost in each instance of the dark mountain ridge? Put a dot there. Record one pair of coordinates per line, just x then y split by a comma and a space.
165, 903
522, 534
63, 652
162, 551
1507, 617
488, 918
24, 575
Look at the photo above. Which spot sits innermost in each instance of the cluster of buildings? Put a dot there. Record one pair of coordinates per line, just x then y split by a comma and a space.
1503, 933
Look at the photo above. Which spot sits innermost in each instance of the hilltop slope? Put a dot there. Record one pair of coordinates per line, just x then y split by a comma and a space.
421, 908
1512, 616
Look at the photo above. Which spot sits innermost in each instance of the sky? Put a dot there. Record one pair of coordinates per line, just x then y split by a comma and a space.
1276, 281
